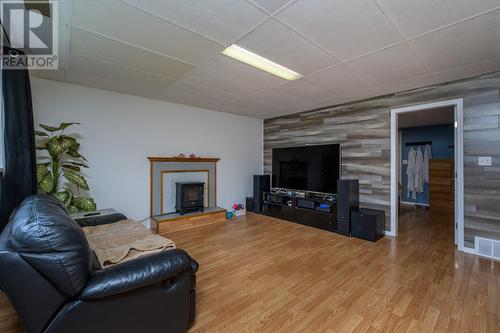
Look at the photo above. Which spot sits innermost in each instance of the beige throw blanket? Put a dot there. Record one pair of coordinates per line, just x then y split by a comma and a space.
124, 240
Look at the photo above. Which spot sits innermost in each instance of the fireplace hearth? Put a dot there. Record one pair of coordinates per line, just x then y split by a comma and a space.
189, 197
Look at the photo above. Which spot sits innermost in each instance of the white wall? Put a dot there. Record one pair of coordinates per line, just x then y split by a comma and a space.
119, 131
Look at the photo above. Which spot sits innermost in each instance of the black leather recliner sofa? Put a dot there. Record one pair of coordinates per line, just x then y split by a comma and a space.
56, 284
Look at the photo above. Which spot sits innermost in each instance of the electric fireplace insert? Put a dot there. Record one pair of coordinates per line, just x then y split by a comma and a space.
189, 197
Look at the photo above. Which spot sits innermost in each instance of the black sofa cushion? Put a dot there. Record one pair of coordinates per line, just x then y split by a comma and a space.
42, 232
137, 273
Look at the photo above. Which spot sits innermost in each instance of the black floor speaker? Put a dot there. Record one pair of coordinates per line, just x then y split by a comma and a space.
261, 183
249, 204
347, 200
368, 224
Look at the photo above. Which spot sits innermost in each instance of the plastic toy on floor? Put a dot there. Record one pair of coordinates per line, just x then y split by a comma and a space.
238, 209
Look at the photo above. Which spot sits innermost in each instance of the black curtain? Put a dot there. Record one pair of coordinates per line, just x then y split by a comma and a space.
19, 176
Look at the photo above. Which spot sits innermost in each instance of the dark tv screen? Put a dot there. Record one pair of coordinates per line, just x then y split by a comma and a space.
308, 168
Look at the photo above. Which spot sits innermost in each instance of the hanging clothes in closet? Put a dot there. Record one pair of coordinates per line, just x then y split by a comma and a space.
410, 173
427, 158
417, 170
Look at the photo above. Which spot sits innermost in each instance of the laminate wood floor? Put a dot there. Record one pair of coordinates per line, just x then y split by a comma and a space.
259, 274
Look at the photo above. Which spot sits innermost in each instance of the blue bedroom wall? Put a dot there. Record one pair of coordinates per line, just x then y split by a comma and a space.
441, 136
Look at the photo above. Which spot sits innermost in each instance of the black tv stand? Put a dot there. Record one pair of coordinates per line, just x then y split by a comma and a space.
309, 209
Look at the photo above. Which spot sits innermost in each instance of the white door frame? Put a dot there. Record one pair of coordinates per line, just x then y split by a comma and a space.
459, 164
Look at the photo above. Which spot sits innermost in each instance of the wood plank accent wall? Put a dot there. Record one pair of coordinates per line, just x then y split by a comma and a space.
363, 130
482, 184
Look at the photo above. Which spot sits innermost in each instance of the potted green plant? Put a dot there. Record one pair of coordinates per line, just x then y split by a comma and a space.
59, 173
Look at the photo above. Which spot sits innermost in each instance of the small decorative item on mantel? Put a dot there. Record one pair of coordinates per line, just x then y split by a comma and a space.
187, 155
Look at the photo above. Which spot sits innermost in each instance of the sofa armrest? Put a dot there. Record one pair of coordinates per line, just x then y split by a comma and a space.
99, 220
137, 273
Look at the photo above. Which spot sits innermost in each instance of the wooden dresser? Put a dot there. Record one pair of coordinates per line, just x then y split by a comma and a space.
442, 184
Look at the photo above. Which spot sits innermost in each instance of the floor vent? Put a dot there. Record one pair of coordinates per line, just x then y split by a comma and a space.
487, 247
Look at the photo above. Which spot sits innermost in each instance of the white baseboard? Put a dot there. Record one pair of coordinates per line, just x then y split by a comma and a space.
389, 233
468, 250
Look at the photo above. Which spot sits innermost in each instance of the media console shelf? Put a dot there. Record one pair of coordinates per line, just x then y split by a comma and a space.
310, 210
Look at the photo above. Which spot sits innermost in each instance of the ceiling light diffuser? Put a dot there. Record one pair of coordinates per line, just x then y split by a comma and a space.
252, 59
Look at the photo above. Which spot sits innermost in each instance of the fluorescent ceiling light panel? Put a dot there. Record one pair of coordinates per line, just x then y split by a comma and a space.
252, 59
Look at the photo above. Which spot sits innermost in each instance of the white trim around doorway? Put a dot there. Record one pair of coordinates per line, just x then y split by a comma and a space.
459, 164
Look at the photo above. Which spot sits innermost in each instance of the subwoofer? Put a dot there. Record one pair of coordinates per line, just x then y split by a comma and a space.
347, 200
249, 204
368, 224
261, 184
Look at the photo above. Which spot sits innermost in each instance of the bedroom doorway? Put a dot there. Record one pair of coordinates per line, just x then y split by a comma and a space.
427, 165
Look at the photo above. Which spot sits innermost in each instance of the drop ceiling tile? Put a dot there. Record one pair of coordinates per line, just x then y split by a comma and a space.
348, 28
232, 85
237, 108
445, 76
472, 41
468, 71
364, 94
137, 27
395, 63
229, 67
221, 20
49, 74
96, 46
298, 92
93, 81
186, 91
410, 84
277, 113
251, 108
417, 17
100, 69
282, 45
215, 99
197, 101
339, 79
271, 5
313, 105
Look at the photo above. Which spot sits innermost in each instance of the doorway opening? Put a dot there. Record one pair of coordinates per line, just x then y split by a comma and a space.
427, 167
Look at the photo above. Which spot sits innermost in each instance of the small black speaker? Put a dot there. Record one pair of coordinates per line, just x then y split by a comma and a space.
261, 183
368, 224
347, 200
249, 204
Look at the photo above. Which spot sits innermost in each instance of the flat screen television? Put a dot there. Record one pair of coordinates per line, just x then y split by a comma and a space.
307, 168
